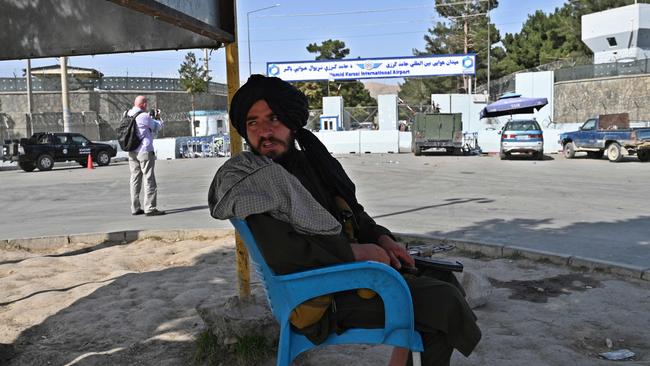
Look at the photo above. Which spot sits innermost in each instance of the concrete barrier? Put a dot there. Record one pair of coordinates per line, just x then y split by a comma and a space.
341, 142
405, 141
379, 141
39, 244
43, 244
514, 252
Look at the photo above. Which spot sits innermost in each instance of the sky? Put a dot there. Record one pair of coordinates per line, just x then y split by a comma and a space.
369, 28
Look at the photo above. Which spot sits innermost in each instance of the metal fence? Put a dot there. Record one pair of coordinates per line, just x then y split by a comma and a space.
17, 84
602, 70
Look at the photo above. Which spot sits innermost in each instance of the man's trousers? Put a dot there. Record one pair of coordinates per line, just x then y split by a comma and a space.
142, 165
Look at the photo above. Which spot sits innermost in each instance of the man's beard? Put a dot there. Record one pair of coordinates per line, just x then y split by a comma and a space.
273, 154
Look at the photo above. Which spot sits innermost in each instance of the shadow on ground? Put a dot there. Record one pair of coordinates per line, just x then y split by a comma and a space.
138, 318
623, 241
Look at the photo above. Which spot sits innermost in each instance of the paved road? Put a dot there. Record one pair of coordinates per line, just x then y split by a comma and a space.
584, 207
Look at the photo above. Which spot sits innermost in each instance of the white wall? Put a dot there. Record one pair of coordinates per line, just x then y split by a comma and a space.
624, 25
165, 148
387, 112
365, 141
536, 85
461, 103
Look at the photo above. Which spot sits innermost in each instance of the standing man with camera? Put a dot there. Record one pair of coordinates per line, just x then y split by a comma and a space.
143, 159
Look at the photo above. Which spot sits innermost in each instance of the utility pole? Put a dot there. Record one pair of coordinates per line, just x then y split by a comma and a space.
488, 52
206, 66
64, 94
232, 79
465, 41
29, 96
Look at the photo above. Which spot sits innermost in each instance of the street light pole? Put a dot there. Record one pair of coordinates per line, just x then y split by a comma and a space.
248, 32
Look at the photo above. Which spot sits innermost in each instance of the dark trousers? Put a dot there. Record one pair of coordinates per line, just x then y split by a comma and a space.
442, 317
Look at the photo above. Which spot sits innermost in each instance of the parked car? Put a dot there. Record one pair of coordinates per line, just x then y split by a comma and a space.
43, 149
522, 137
609, 134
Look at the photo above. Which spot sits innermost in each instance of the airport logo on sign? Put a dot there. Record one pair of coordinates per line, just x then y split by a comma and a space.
274, 70
468, 62
369, 65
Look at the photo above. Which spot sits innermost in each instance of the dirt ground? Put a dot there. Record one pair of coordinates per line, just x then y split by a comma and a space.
134, 304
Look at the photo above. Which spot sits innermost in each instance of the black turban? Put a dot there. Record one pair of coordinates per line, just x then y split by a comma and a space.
292, 108
287, 102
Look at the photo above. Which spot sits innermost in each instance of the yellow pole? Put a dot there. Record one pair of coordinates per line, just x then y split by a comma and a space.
232, 76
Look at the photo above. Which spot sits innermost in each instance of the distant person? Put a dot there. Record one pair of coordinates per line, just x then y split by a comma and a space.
143, 160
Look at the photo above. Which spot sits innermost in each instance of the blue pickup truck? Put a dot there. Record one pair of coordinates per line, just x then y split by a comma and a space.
603, 134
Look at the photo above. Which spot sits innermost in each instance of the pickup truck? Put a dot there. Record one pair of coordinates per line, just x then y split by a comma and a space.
43, 149
607, 134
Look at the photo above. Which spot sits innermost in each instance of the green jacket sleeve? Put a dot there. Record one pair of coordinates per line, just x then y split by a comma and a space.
369, 230
287, 251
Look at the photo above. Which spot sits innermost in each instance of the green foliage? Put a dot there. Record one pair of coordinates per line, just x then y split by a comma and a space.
545, 38
449, 37
208, 350
249, 350
329, 50
354, 93
252, 350
193, 77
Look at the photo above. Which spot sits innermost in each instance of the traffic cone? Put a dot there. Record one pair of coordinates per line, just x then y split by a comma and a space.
90, 162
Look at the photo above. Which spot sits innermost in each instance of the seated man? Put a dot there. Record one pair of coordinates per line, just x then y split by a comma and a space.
311, 218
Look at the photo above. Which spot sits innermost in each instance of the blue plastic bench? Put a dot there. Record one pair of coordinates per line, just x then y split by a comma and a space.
288, 291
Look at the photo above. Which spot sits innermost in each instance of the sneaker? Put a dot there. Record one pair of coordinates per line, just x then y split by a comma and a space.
138, 212
154, 212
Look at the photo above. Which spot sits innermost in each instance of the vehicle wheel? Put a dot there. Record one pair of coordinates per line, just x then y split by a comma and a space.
595, 154
103, 158
643, 155
27, 166
614, 153
44, 162
569, 150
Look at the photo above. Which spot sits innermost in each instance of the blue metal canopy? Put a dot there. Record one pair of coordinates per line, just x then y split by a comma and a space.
512, 103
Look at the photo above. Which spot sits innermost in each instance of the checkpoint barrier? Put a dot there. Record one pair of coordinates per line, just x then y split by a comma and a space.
365, 141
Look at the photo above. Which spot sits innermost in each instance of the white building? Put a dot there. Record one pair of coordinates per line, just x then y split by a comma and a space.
618, 35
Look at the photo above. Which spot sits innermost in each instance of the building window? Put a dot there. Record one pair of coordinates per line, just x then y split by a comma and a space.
612, 41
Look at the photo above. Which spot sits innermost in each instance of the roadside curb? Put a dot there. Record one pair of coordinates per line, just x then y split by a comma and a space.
516, 252
49, 243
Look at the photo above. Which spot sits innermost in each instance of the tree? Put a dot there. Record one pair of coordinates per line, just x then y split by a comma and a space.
465, 30
194, 79
353, 92
329, 50
545, 38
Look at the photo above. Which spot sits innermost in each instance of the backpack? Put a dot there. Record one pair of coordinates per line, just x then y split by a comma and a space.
127, 132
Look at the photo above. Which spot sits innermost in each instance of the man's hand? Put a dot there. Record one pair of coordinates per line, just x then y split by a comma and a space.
395, 252
370, 252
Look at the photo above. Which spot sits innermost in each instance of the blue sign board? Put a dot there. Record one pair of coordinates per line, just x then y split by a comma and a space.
434, 65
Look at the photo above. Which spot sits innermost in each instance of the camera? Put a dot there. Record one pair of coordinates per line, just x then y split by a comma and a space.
154, 113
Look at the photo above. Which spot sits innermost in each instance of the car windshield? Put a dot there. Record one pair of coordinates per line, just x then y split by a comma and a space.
522, 126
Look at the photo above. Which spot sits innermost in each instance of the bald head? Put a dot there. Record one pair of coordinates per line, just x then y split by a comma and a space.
140, 102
